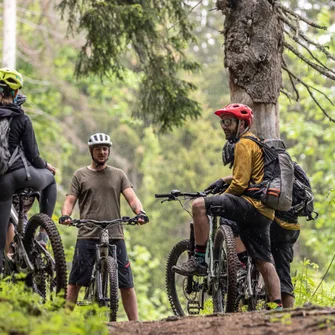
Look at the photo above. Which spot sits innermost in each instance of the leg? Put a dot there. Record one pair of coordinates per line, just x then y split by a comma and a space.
126, 283
240, 247
282, 241
196, 264
48, 199
7, 187
288, 300
41, 180
81, 271
72, 296
9, 237
201, 227
4, 219
129, 302
271, 279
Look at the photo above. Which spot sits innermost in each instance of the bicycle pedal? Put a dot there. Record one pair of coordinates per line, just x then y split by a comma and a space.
193, 307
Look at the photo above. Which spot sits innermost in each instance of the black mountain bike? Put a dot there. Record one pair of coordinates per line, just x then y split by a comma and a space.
43, 263
103, 289
215, 292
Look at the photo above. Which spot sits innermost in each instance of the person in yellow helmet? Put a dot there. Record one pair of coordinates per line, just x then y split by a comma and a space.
20, 163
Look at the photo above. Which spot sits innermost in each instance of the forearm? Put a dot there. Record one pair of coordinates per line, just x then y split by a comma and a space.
68, 206
136, 205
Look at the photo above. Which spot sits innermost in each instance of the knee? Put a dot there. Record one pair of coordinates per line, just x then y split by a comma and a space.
198, 206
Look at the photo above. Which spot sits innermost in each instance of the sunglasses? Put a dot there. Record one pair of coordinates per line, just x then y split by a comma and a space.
226, 122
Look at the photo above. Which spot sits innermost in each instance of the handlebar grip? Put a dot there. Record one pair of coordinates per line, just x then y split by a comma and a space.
168, 195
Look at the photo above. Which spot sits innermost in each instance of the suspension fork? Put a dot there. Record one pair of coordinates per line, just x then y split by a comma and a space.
209, 248
189, 288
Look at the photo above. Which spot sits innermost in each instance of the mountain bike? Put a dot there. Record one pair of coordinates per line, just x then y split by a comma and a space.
43, 263
104, 285
217, 291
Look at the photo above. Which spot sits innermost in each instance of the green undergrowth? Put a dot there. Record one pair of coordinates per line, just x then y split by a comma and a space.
22, 312
311, 286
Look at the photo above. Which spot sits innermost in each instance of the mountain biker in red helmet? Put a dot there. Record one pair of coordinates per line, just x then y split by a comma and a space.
253, 218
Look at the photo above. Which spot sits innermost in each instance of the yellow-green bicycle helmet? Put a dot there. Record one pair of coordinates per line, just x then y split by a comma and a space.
11, 78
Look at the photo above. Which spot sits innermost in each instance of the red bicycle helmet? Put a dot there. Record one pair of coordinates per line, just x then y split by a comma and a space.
240, 111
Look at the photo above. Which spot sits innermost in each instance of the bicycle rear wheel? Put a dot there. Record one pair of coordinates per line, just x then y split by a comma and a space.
225, 268
49, 276
110, 285
187, 295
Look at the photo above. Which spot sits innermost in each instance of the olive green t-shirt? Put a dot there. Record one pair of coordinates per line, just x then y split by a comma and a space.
98, 194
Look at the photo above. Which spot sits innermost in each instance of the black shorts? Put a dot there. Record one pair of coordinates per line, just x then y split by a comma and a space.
253, 227
84, 258
282, 241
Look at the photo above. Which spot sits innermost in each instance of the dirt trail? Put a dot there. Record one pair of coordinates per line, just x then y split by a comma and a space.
309, 320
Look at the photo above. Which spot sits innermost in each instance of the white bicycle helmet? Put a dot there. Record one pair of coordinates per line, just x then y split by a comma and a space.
99, 139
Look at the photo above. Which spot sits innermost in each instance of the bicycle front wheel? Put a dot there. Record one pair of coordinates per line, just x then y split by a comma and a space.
49, 275
187, 295
110, 285
225, 267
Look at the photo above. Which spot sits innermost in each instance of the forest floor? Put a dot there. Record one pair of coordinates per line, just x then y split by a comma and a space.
307, 320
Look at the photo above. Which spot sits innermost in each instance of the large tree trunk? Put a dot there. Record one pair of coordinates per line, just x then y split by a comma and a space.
9, 34
253, 55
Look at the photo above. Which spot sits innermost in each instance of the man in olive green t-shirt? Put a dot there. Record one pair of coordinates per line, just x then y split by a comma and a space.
97, 188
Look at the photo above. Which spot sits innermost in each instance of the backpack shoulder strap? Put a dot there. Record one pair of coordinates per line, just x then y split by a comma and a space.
256, 140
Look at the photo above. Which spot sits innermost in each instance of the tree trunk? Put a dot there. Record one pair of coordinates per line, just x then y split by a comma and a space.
266, 116
253, 54
9, 34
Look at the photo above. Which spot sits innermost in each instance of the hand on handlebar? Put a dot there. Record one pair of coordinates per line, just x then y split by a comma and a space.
216, 187
65, 220
142, 217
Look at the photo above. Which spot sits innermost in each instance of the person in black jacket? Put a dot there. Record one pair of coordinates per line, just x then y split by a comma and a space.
29, 170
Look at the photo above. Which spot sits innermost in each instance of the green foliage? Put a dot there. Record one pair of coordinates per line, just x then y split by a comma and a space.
22, 312
308, 288
156, 34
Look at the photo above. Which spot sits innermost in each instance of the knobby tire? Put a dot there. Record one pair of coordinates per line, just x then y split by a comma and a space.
58, 283
170, 277
225, 288
110, 285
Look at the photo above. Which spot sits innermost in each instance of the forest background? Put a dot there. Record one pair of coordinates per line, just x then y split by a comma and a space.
66, 111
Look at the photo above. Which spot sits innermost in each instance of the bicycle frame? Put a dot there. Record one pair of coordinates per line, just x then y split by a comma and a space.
17, 219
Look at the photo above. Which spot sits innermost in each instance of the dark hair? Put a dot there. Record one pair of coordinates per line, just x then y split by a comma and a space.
5, 90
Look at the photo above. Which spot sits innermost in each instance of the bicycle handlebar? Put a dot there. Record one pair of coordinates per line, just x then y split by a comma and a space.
125, 219
174, 194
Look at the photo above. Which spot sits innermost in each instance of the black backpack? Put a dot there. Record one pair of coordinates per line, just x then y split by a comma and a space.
7, 159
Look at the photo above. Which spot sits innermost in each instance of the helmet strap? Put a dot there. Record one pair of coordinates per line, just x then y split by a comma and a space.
238, 133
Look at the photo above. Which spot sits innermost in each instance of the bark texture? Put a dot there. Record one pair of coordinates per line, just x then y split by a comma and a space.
253, 52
